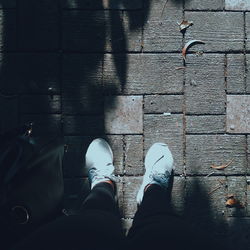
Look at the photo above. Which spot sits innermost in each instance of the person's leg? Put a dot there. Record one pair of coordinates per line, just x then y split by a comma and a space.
97, 225
155, 226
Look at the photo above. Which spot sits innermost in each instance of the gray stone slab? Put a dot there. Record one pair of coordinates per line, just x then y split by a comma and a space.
166, 129
123, 115
178, 195
161, 32
204, 5
106, 4
238, 114
83, 125
205, 87
38, 27
85, 31
29, 73
237, 186
8, 30
206, 124
205, 199
34, 104
134, 155
248, 31
203, 151
82, 84
248, 73
98, 31
238, 233
221, 31
9, 113
143, 74
44, 124
117, 146
163, 103
237, 5
235, 74
130, 189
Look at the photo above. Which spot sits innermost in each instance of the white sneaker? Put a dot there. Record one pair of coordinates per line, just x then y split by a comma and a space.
159, 166
99, 162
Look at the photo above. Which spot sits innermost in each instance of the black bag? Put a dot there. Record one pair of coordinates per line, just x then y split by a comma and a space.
31, 179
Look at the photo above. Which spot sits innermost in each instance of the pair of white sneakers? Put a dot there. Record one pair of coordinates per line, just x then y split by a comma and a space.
158, 165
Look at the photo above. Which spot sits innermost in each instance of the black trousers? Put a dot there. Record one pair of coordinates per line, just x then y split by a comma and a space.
98, 226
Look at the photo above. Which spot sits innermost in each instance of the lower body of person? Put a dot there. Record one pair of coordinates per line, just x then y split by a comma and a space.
98, 224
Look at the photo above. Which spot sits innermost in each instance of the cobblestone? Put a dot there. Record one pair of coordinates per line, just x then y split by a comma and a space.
236, 74
206, 124
123, 115
163, 103
238, 111
222, 31
237, 5
203, 151
205, 87
145, 74
204, 5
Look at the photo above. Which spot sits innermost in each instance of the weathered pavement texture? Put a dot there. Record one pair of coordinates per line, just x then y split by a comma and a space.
114, 69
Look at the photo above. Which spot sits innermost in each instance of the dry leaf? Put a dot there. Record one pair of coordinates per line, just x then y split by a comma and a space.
223, 166
184, 25
232, 202
188, 45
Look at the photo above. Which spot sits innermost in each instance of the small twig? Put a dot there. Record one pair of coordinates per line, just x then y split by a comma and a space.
214, 190
222, 166
178, 68
209, 174
165, 5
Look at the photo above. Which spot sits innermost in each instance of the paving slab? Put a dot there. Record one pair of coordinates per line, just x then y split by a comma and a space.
221, 31
163, 104
130, 188
236, 74
134, 164
204, 5
248, 73
33, 104
203, 151
237, 186
248, 31
38, 27
123, 115
34, 73
83, 125
99, 31
161, 32
237, 5
205, 84
166, 129
143, 73
208, 124
82, 91
238, 114
106, 4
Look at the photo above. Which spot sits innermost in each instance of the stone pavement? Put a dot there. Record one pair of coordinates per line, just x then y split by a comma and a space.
91, 68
